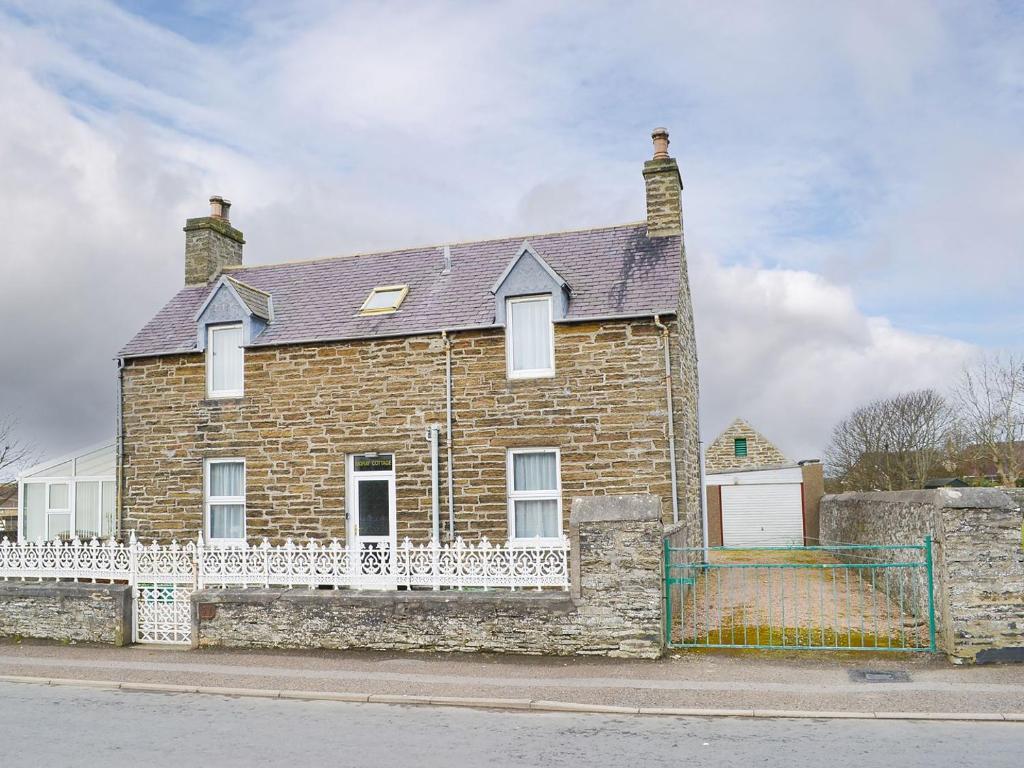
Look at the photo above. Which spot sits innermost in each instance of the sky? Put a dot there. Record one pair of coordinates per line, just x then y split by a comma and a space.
853, 204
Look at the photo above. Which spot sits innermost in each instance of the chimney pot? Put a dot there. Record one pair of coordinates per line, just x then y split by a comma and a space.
660, 136
219, 208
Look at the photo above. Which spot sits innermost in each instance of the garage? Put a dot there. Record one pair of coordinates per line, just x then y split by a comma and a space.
758, 508
762, 515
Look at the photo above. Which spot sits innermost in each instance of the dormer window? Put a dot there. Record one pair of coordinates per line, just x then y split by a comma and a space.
384, 299
225, 361
529, 337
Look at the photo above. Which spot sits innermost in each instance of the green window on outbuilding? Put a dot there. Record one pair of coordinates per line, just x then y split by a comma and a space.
739, 446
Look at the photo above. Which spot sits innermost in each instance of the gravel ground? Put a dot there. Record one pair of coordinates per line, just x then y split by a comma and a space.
794, 606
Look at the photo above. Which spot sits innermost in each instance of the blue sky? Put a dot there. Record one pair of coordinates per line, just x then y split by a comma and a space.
853, 199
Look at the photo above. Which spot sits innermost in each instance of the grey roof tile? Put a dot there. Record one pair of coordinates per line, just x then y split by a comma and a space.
613, 271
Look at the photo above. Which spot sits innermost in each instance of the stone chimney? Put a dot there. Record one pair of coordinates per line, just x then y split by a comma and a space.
664, 188
211, 244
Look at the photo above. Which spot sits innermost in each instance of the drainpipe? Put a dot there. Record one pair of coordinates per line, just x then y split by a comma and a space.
118, 451
435, 506
671, 420
448, 431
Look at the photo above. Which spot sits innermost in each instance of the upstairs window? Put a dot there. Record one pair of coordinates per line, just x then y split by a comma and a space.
225, 363
384, 299
534, 493
739, 446
529, 338
225, 500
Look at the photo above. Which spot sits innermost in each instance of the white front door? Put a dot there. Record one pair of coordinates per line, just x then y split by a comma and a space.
371, 518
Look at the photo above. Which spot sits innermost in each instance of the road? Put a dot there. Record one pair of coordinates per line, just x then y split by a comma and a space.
70, 727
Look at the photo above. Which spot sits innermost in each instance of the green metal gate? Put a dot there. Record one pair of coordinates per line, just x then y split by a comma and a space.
843, 597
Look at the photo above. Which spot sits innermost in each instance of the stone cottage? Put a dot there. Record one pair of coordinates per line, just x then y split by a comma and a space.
462, 389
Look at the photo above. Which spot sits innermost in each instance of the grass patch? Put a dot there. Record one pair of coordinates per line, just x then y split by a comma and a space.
799, 637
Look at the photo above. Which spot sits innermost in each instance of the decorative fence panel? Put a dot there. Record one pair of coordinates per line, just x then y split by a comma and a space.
163, 577
459, 565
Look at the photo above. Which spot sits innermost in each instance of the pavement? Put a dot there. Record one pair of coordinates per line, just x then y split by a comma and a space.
752, 683
76, 727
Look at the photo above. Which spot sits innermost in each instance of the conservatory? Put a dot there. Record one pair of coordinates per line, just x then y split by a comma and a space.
73, 496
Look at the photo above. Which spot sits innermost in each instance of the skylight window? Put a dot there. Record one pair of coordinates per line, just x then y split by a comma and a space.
384, 299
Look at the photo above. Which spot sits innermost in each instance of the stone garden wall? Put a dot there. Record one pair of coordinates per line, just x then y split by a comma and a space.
978, 560
613, 609
93, 613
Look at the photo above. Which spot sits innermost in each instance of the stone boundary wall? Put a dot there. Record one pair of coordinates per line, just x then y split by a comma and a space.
978, 560
613, 609
65, 611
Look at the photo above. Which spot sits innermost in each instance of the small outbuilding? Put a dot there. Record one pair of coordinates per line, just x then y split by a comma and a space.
72, 496
758, 497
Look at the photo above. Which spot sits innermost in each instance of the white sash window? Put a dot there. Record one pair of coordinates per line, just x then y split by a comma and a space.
225, 500
225, 362
534, 493
529, 337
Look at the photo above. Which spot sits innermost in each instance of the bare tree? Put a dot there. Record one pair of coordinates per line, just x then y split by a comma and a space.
893, 444
14, 451
990, 405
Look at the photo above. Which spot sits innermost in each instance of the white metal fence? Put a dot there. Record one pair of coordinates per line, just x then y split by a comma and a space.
459, 565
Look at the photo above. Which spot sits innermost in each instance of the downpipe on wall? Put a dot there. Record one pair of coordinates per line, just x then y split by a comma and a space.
448, 432
671, 418
435, 502
119, 446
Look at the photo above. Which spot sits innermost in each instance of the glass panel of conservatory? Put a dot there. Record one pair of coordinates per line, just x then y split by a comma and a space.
59, 498
96, 464
59, 525
61, 470
34, 511
109, 510
87, 509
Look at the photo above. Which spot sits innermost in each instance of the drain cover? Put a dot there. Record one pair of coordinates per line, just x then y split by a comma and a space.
879, 676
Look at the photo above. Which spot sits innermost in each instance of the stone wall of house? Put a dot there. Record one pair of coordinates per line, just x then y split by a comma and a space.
93, 613
307, 406
613, 609
720, 455
978, 561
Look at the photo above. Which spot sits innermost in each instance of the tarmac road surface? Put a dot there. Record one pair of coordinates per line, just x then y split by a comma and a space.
71, 726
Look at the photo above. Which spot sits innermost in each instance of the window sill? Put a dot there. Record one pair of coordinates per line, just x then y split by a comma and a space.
528, 375
213, 399
538, 541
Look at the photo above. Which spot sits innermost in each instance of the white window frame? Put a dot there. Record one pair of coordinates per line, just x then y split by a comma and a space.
209, 501
222, 394
401, 290
514, 496
531, 373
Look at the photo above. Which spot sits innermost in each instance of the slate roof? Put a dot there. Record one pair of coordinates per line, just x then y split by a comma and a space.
256, 300
613, 271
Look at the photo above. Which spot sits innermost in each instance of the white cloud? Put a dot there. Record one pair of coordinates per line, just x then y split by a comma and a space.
877, 147
791, 352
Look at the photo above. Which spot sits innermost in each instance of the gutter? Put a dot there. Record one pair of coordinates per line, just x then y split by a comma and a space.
671, 417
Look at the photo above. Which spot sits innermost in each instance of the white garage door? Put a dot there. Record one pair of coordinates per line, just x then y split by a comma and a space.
762, 515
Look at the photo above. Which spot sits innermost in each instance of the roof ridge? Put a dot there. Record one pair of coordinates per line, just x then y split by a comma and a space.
340, 257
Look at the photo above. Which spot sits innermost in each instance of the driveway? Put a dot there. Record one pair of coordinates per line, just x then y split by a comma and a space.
816, 602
